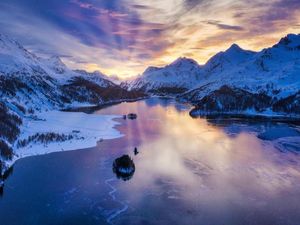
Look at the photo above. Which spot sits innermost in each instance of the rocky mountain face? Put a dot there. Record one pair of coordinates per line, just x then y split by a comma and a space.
234, 80
29, 84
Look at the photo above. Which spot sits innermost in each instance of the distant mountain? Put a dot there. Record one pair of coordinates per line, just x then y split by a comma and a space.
274, 69
224, 61
97, 77
49, 82
274, 72
177, 77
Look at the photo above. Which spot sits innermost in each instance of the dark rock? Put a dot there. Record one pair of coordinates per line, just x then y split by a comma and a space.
1, 187
124, 167
136, 151
228, 99
290, 104
132, 116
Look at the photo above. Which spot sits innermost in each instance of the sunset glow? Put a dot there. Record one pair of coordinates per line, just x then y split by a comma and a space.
124, 37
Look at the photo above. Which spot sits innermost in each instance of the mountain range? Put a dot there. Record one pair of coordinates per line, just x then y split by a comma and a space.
233, 81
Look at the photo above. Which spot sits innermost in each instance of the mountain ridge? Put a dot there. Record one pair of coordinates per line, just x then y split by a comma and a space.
273, 71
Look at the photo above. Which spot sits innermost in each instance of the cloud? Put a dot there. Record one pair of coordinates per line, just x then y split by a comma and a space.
190, 4
224, 26
137, 6
125, 36
272, 16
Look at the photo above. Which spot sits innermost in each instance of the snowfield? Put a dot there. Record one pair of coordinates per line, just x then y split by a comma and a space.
88, 129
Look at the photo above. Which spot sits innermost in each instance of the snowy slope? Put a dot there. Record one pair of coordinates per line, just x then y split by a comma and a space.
15, 59
47, 82
178, 76
273, 73
224, 61
97, 77
275, 69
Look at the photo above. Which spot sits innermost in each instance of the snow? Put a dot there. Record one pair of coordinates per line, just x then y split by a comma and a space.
272, 69
96, 77
77, 104
14, 58
90, 129
249, 113
277, 67
183, 72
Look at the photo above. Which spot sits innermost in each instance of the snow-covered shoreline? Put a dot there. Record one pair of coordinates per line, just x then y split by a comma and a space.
79, 107
268, 115
87, 130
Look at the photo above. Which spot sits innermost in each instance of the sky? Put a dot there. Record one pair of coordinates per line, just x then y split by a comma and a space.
124, 37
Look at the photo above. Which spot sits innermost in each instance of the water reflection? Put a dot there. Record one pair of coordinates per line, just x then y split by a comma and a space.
212, 173
166, 103
188, 171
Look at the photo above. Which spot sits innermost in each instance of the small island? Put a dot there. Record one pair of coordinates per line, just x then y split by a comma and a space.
124, 167
132, 116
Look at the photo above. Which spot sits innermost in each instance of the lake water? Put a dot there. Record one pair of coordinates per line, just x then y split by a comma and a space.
187, 171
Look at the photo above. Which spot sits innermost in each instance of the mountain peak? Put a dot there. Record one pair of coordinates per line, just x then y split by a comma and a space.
234, 55
55, 63
235, 51
183, 60
289, 41
95, 73
234, 48
151, 69
56, 59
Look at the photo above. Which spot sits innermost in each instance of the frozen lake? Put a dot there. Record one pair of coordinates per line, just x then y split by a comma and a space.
187, 171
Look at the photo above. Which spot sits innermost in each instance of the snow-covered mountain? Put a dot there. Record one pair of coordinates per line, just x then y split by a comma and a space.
224, 61
272, 69
30, 84
177, 77
40, 81
274, 72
